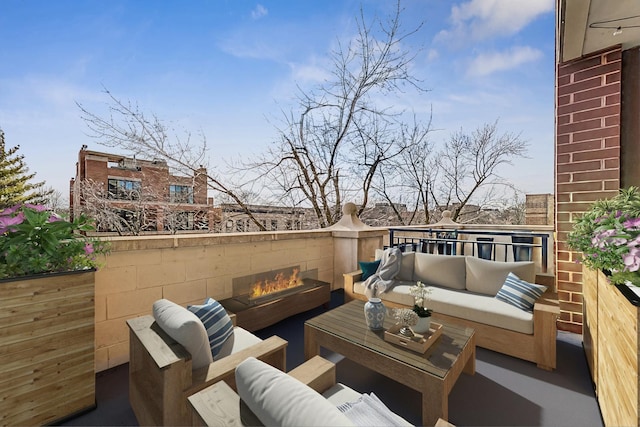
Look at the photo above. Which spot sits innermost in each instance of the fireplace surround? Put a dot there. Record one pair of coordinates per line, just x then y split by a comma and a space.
260, 300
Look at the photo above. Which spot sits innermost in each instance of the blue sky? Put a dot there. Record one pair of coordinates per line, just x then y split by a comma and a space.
229, 67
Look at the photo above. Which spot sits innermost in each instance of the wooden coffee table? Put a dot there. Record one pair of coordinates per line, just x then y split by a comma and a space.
433, 373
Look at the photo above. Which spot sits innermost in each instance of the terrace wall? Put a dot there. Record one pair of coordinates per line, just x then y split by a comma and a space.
189, 268
587, 155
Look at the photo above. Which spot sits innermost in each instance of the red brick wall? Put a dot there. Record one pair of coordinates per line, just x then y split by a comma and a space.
587, 160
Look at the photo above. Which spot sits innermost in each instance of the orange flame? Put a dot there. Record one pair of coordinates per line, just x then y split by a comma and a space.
279, 283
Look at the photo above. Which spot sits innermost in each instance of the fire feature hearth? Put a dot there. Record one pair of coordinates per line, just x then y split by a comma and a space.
260, 300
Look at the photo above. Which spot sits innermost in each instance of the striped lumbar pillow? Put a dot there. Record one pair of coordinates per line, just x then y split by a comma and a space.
216, 321
520, 293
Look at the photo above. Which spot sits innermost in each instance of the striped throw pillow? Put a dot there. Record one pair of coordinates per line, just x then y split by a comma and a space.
216, 321
520, 293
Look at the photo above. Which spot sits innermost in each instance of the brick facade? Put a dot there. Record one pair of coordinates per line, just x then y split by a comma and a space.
154, 180
588, 113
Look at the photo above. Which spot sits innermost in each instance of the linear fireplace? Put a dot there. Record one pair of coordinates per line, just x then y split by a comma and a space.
260, 300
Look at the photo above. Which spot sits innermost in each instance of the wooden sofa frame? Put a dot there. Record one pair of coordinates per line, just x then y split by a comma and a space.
160, 375
539, 348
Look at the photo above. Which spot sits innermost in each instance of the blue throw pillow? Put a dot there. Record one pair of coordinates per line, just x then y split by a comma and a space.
368, 268
520, 293
216, 321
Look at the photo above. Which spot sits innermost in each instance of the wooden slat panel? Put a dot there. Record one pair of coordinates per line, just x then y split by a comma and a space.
46, 348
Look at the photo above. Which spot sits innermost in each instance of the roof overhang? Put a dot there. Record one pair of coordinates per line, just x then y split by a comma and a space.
588, 26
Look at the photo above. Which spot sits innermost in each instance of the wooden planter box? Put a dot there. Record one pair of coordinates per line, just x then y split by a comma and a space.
610, 336
47, 346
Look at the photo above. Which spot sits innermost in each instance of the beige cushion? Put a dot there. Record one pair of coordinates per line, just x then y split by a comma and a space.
240, 339
278, 399
406, 266
475, 307
184, 327
487, 277
441, 270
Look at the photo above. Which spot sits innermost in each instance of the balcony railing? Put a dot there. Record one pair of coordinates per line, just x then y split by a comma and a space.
487, 244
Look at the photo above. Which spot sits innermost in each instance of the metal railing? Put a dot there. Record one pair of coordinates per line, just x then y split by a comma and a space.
481, 243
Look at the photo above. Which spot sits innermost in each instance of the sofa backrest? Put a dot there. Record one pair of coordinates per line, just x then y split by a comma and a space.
441, 270
487, 277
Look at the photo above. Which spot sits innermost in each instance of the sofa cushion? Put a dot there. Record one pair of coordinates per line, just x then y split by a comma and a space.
487, 277
278, 399
441, 270
471, 306
406, 265
185, 328
368, 268
520, 293
216, 321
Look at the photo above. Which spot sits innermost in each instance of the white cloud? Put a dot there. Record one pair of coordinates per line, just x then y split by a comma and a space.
488, 63
484, 19
259, 12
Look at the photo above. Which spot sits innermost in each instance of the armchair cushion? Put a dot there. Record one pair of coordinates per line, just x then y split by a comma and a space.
184, 327
278, 399
520, 293
216, 321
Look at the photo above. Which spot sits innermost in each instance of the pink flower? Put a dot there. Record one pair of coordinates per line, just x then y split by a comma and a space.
633, 224
54, 218
7, 221
88, 249
37, 208
631, 260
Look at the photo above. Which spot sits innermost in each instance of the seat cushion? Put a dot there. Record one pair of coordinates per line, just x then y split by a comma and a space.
186, 329
520, 293
471, 306
240, 340
278, 399
216, 321
487, 277
441, 270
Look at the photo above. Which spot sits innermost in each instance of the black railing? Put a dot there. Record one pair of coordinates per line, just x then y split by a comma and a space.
448, 242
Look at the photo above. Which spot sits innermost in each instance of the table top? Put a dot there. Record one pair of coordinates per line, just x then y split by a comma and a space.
347, 322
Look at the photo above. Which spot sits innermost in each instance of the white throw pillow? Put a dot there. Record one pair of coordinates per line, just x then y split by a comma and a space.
278, 399
184, 327
487, 277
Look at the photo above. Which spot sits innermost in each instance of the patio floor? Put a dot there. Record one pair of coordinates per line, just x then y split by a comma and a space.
504, 391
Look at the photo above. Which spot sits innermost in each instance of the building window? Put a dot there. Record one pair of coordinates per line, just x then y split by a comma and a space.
180, 194
288, 224
124, 189
240, 225
274, 224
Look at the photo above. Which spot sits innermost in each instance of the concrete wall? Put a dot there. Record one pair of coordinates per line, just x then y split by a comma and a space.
189, 268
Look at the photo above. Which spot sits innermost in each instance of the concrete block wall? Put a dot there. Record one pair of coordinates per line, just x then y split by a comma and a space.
187, 269
587, 160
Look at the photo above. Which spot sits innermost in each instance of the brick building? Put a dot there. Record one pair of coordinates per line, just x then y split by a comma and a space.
140, 193
539, 209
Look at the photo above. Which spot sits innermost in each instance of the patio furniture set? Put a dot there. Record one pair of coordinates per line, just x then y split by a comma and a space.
243, 380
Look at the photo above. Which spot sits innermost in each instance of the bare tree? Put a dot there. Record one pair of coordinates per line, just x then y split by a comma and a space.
334, 143
469, 162
127, 127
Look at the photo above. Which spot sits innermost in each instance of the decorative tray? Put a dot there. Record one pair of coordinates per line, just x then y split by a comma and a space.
419, 342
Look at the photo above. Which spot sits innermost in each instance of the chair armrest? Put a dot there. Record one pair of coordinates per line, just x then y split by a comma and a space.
548, 280
163, 349
317, 372
272, 351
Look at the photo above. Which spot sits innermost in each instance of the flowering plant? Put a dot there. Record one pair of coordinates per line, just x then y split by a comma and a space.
34, 240
608, 235
420, 294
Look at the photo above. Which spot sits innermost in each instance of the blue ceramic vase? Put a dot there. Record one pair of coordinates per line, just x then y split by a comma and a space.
374, 314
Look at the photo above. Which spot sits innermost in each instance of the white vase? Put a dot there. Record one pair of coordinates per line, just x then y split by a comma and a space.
423, 325
374, 314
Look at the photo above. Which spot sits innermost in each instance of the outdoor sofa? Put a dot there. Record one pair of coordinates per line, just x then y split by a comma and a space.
463, 293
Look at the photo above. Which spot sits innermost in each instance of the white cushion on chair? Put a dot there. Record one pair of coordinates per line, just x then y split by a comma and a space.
240, 340
184, 327
278, 399
487, 277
